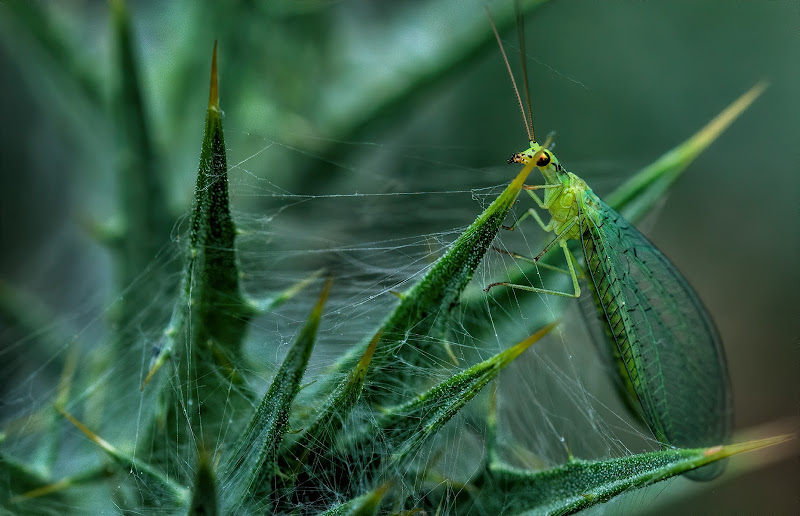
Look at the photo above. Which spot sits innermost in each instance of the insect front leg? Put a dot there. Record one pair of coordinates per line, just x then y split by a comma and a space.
562, 242
533, 213
553, 190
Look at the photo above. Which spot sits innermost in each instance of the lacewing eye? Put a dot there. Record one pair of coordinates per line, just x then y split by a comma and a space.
543, 160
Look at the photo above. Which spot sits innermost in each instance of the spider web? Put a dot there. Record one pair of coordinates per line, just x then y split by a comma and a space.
552, 401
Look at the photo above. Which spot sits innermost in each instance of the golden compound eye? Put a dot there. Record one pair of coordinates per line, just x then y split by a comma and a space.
543, 160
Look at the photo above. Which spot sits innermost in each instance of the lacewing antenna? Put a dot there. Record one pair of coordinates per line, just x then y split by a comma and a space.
528, 127
523, 56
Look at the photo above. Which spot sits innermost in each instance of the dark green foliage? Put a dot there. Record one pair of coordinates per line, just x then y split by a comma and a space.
145, 220
579, 484
359, 438
251, 468
204, 338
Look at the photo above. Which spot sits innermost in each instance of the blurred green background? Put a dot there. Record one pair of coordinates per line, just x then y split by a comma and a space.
325, 98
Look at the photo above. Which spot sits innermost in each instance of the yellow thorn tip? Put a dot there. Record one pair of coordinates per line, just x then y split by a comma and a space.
517, 349
719, 123
150, 374
733, 449
366, 358
519, 181
99, 441
213, 94
323, 297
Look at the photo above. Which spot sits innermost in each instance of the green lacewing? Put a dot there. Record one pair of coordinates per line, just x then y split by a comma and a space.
667, 350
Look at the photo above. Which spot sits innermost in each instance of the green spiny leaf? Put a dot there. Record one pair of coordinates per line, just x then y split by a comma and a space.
404, 428
298, 462
251, 468
637, 196
211, 312
318, 436
580, 484
415, 421
218, 306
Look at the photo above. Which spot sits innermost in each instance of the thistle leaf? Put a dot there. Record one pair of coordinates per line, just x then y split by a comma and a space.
414, 422
319, 434
251, 468
404, 428
219, 311
634, 198
211, 314
579, 484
